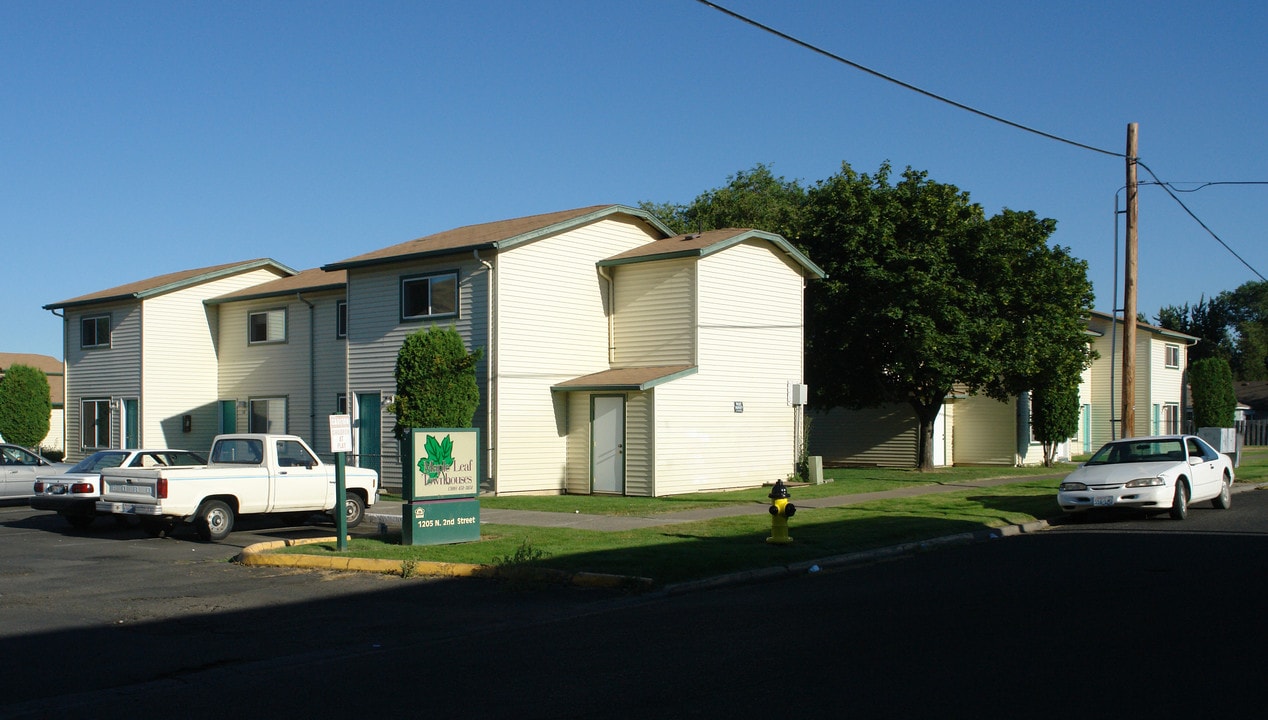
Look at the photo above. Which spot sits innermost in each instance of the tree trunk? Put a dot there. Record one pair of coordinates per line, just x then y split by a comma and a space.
928, 416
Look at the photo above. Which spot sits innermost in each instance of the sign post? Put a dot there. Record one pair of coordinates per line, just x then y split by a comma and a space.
340, 444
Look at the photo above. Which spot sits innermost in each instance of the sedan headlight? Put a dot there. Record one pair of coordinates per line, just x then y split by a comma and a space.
1146, 482
1068, 486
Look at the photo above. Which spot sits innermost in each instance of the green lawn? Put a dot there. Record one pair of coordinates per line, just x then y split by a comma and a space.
679, 552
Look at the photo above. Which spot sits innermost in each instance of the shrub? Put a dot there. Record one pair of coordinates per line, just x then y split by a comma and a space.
24, 405
1214, 402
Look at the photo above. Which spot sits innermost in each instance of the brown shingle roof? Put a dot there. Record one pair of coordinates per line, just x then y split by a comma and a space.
639, 378
313, 280
500, 234
171, 281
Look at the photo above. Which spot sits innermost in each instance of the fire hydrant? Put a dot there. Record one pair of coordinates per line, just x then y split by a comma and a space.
780, 511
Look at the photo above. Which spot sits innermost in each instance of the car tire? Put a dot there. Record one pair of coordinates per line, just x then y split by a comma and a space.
1180, 503
354, 510
214, 521
1224, 500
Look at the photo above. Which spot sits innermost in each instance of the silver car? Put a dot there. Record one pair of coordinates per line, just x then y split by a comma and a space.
20, 468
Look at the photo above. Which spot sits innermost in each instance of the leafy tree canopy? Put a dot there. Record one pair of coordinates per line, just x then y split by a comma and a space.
1232, 325
435, 381
924, 292
24, 405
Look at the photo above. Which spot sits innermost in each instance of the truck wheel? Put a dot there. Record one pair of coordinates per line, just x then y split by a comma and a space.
354, 510
214, 521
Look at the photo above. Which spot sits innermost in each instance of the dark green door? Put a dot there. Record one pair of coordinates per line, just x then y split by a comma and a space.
369, 422
228, 416
131, 423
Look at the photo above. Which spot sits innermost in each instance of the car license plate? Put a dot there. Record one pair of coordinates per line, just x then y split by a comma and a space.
1103, 501
57, 489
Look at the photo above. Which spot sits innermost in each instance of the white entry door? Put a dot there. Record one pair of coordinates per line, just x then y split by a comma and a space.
607, 444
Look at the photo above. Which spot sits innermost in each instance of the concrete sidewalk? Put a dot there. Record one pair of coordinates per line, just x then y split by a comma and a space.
389, 515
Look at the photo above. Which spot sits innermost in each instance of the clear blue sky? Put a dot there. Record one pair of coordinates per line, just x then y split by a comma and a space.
139, 138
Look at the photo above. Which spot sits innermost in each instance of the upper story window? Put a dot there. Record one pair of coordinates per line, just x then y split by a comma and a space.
429, 296
341, 319
94, 331
268, 326
1172, 356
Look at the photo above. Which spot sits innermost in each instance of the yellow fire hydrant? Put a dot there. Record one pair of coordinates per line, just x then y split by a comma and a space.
780, 511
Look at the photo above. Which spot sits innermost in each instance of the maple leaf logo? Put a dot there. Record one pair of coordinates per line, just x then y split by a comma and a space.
439, 456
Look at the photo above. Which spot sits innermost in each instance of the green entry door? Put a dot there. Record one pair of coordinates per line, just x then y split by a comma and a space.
369, 432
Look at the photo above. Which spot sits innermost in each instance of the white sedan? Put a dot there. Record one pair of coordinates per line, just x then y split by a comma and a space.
1150, 474
20, 468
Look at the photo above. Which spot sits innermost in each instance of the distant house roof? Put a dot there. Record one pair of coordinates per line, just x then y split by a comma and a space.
170, 282
1253, 393
707, 243
1189, 339
639, 378
495, 235
51, 366
314, 280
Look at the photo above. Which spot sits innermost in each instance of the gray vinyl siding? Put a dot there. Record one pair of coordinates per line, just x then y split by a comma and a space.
104, 372
376, 333
885, 436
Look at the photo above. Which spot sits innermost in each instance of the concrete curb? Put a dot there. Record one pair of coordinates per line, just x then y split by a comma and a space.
260, 554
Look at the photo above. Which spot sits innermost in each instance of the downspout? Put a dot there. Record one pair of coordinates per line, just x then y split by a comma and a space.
312, 369
490, 459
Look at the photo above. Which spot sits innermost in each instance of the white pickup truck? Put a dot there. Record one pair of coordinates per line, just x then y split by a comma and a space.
247, 474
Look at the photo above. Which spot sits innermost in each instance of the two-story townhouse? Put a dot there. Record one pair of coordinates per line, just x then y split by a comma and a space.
1161, 359
281, 365
141, 362
585, 323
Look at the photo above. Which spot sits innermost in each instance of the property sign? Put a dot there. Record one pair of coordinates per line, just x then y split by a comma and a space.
438, 522
340, 433
445, 463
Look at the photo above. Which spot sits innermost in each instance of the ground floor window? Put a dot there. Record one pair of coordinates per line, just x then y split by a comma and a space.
268, 415
94, 423
1170, 419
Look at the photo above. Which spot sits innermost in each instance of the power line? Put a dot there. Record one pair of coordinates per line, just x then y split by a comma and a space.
875, 73
900, 83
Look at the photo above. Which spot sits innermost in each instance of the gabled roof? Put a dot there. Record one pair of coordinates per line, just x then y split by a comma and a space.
630, 379
498, 235
1176, 334
707, 243
170, 282
314, 280
50, 365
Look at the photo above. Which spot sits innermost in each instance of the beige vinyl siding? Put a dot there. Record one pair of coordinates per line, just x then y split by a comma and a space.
179, 362
885, 436
640, 444
376, 333
283, 369
750, 348
101, 373
1103, 375
655, 309
552, 326
986, 431
1166, 383
577, 480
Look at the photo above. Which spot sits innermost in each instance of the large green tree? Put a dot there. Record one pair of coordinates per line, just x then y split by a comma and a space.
24, 405
924, 292
435, 381
1232, 325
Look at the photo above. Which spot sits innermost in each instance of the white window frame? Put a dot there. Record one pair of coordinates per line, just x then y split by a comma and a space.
1171, 357
274, 326
429, 282
341, 319
1169, 420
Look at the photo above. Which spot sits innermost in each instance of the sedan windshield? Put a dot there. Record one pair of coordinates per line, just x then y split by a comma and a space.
1138, 451
98, 461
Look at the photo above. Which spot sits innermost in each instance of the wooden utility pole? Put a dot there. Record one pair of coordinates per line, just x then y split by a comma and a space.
1128, 426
